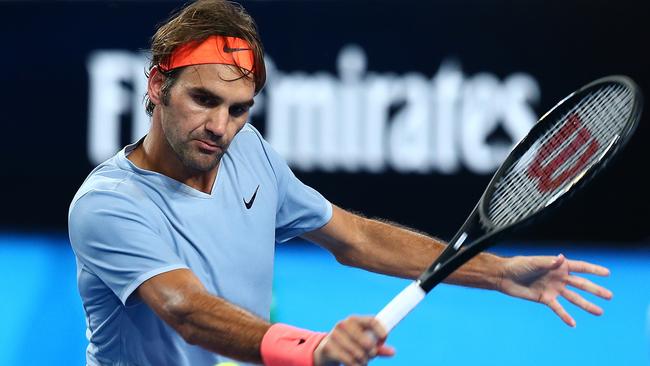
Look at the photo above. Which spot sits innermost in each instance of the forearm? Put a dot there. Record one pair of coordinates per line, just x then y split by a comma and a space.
202, 318
221, 327
390, 249
407, 253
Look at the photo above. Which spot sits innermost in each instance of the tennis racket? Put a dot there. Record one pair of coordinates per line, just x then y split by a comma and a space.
562, 152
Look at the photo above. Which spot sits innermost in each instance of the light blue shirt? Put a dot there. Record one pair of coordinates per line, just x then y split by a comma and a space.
127, 225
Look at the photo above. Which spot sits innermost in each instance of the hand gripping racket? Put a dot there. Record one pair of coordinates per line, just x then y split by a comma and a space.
561, 153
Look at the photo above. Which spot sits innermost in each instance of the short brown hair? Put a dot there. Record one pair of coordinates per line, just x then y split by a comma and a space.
197, 22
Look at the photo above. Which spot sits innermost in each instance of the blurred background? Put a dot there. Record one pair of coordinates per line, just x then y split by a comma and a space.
400, 110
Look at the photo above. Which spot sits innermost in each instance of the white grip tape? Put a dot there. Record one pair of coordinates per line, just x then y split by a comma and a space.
400, 306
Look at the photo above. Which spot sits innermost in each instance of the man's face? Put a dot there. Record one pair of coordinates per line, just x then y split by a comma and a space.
205, 110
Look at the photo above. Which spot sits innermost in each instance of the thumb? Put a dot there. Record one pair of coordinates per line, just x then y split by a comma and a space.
385, 351
546, 263
556, 262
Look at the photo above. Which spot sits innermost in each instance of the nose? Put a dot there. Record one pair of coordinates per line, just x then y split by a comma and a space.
217, 122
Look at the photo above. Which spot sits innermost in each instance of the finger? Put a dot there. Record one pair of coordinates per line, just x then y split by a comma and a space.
580, 302
377, 329
350, 337
349, 355
358, 329
368, 334
586, 267
351, 349
379, 336
335, 352
586, 285
385, 351
548, 263
559, 310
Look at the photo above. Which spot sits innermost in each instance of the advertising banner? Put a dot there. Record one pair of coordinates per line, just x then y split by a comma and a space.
400, 110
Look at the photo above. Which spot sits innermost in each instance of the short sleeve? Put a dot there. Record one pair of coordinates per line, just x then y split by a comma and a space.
114, 236
300, 208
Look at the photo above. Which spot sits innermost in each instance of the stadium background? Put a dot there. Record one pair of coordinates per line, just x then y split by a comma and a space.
424, 98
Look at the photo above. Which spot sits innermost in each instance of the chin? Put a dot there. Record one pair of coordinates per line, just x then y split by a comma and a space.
198, 160
203, 165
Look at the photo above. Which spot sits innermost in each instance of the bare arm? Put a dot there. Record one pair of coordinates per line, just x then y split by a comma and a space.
202, 319
387, 248
180, 299
390, 249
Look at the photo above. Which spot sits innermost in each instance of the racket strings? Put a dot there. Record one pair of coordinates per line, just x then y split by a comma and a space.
520, 194
560, 154
551, 149
598, 130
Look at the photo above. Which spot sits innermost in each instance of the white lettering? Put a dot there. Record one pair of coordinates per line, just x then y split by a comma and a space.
410, 131
355, 121
408, 123
110, 73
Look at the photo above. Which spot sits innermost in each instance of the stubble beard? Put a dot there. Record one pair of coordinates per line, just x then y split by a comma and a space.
192, 158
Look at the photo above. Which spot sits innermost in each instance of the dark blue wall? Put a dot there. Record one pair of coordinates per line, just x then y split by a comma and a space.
47, 80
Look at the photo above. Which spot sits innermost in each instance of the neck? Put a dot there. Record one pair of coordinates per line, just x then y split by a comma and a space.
155, 154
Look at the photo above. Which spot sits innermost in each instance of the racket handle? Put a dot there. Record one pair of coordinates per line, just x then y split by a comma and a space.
400, 306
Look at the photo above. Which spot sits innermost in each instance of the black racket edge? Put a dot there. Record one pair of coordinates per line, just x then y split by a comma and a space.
561, 107
452, 258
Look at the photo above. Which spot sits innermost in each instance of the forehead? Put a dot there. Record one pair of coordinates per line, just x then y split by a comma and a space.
223, 80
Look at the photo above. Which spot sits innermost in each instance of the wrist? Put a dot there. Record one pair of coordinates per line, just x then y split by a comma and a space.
494, 269
500, 272
484, 271
284, 345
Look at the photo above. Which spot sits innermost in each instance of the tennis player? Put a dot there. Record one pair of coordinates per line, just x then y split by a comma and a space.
174, 236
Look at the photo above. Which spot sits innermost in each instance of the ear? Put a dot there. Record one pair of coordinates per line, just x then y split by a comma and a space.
154, 85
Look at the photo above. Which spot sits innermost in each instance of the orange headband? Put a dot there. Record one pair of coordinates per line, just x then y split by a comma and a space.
214, 50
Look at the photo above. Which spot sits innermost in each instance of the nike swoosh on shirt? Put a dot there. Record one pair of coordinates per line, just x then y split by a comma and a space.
249, 204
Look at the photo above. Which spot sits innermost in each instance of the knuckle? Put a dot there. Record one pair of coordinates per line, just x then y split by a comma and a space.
328, 347
348, 360
368, 344
357, 319
334, 338
361, 360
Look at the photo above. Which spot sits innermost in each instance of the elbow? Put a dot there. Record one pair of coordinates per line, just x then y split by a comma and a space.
178, 313
354, 252
352, 255
190, 336
344, 257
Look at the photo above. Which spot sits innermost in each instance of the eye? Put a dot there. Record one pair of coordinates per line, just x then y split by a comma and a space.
238, 110
204, 100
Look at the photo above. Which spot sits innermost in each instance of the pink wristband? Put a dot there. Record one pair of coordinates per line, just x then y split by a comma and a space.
284, 345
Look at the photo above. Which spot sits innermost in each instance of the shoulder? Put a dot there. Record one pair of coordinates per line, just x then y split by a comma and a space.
107, 207
249, 137
250, 146
108, 189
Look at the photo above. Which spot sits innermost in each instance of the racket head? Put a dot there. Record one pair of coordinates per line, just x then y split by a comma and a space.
481, 230
563, 151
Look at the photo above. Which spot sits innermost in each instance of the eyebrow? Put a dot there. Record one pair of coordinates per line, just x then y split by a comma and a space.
201, 90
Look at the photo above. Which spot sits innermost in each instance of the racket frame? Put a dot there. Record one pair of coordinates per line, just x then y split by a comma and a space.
478, 232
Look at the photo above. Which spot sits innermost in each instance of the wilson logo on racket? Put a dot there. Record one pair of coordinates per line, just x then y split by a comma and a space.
545, 173
561, 149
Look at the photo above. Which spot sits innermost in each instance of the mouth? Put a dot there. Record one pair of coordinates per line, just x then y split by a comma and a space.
208, 146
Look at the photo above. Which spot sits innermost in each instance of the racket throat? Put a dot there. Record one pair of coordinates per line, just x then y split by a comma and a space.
457, 248
426, 280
